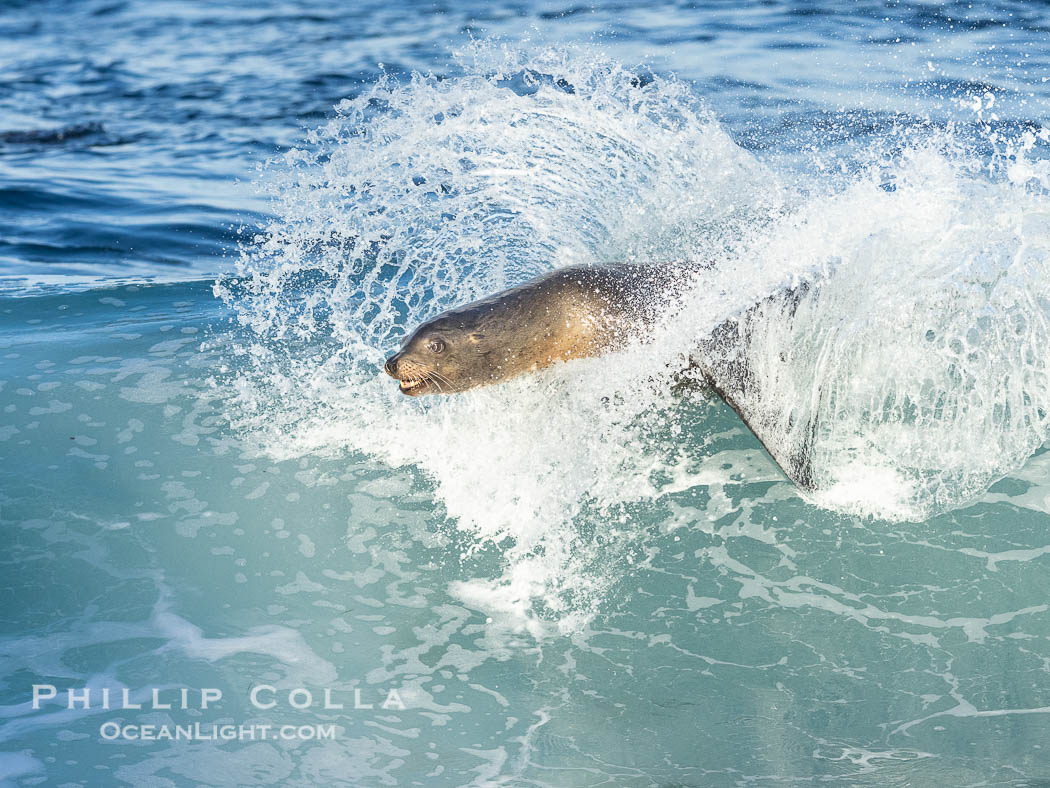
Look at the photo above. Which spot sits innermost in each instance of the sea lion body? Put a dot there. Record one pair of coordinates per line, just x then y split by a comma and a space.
585, 311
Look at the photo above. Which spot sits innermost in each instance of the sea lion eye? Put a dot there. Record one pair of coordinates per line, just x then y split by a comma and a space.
435, 346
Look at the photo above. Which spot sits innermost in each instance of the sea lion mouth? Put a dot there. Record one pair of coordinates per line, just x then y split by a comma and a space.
413, 386
412, 377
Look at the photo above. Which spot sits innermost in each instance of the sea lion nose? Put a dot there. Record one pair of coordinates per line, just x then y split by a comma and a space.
391, 365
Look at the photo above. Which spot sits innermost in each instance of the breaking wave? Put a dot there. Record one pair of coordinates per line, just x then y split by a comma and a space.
921, 358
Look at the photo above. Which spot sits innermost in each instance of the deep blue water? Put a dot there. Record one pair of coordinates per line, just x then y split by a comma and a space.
131, 132
205, 481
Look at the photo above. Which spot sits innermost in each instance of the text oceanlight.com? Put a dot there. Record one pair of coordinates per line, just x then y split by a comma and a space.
205, 732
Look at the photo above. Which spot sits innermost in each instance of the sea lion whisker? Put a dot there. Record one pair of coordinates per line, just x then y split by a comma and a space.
431, 380
448, 383
438, 376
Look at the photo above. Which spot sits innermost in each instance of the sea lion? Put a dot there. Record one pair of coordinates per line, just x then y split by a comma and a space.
584, 311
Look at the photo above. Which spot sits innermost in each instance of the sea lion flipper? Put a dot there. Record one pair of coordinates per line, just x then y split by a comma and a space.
796, 465
725, 361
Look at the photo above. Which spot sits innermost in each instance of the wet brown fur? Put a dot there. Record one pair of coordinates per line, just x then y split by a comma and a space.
570, 313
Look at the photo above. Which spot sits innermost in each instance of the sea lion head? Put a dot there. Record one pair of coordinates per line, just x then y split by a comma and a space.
448, 354
554, 318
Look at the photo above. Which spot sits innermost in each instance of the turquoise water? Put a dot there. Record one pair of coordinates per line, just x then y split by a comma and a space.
587, 577
741, 634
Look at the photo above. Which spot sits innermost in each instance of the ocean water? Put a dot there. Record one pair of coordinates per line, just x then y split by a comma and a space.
216, 221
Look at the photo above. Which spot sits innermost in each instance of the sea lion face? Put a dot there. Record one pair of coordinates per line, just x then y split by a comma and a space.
446, 355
